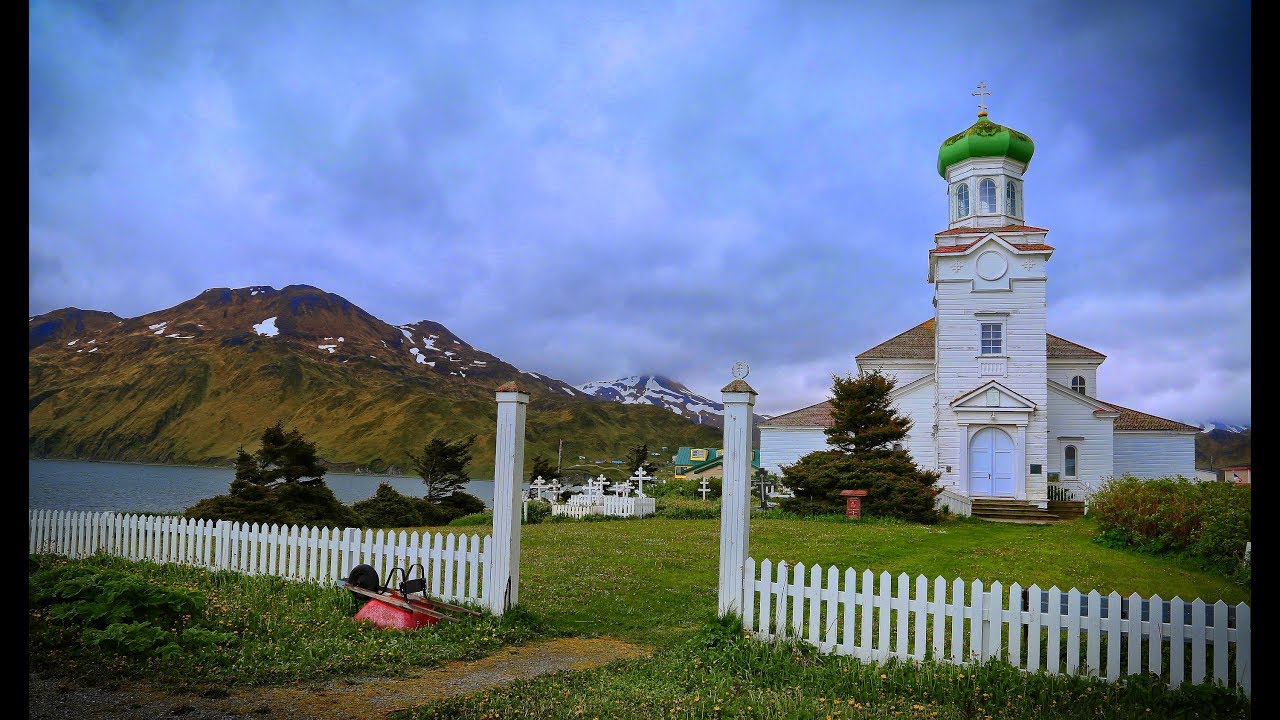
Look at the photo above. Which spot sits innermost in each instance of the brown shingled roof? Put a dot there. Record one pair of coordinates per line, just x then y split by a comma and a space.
1134, 420
917, 344
984, 231
813, 416
1016, 246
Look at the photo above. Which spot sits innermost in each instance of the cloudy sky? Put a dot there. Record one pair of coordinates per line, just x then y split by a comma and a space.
596, 189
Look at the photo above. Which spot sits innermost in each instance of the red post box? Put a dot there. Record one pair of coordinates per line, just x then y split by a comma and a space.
853, 503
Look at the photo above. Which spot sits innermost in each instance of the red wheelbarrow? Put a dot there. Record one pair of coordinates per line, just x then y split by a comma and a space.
404, 607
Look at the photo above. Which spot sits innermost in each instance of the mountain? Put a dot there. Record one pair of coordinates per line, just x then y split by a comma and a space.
194, 382
1219, 448
660, 392
1217, 425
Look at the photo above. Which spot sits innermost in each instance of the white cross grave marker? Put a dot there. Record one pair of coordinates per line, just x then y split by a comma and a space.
538, 485
640, 477
704, 488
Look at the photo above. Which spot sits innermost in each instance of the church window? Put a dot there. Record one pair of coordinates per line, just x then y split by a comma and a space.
1010, 198
1069, 461
992, 339
962, 200
1078, 384
987, 195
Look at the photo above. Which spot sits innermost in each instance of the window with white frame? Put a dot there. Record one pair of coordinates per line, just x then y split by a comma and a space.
987, 195
992, 338
962, 200
1010, 198
1069, 461
1078, 384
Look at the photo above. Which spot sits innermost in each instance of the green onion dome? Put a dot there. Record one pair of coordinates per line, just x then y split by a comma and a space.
984, 139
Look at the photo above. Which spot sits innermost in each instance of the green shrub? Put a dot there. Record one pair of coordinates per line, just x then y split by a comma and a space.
1208, 521
387, 508
687, 488
288, 504
895, 485
539, 511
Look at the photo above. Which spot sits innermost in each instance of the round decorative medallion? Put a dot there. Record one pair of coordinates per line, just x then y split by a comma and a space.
992, 265
741, 370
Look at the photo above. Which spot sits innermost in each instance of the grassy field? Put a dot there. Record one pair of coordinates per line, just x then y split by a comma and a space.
654, 581
651, 582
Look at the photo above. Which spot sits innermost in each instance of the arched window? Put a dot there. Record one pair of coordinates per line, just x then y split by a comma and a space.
1010, 198
962, 200
1069, 461
1077, 384
987, 195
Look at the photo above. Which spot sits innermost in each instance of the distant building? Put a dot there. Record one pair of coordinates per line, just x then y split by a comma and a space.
1206, 475
704, 462
1239, 475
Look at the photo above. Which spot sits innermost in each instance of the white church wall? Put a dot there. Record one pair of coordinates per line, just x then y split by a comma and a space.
917, 404
958, 371
1063, 372
1072, 423
903, 373
1153, 454
785, 445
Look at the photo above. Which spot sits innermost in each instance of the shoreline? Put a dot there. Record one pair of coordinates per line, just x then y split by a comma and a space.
347, 473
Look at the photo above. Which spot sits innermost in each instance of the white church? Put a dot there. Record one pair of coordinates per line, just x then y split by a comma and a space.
997, 403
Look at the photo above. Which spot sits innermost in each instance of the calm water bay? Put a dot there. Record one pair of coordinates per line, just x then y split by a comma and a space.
129, 487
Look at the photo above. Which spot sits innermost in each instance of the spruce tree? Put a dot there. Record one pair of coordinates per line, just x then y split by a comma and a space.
442, 465
540, 467
862, 456
638, 457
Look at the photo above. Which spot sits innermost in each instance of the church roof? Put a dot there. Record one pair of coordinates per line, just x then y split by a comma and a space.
984, 231
818, 415
962, 248
917, 344
1134, 420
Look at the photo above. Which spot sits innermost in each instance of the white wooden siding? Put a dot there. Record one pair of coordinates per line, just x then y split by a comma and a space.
917, 404
957, 373
1062, 374
1154, 454
784, 446
1093, 454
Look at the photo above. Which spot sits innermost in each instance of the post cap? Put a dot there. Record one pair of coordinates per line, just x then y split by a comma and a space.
853, 493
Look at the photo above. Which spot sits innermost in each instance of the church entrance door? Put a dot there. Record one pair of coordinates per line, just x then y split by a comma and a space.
991, 464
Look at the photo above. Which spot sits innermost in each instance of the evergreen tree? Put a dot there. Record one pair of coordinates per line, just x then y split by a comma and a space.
638, 457
540, 467
443, 466
862, 457
283, 457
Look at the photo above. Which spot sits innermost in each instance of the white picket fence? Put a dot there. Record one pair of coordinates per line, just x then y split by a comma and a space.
607, 505
454, 565
871, 621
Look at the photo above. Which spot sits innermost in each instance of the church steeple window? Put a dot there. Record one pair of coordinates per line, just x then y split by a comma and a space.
992, 336
962, 200
987, 195
1078, 384
1010, 198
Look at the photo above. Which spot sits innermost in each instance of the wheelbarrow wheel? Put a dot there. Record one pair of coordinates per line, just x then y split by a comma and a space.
366, 577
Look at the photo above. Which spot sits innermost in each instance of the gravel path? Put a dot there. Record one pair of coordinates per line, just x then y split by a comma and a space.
347, 699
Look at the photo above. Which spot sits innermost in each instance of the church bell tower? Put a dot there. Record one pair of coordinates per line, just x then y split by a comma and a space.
988, 270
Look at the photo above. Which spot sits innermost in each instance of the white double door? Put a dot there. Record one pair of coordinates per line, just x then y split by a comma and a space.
991, 464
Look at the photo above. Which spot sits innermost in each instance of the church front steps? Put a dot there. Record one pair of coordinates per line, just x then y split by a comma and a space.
1015, 511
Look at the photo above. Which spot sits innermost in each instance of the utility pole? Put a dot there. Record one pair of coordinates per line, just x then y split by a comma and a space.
559, 454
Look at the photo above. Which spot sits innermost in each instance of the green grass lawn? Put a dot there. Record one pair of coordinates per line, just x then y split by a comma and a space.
654, 581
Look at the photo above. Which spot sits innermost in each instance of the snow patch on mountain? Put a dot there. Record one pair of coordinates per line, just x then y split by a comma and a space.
1219, 425
658, 391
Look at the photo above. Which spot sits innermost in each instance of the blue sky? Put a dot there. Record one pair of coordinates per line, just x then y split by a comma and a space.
594, 189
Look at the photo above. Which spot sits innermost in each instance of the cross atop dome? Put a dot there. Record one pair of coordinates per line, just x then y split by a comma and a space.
982, 104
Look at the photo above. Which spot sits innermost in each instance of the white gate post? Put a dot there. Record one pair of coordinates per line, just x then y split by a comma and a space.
502, 576
735, 519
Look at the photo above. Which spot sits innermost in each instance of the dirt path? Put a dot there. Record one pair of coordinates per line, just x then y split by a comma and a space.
341, 700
